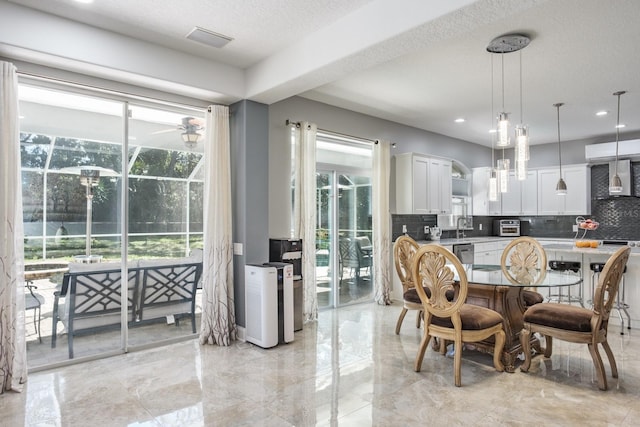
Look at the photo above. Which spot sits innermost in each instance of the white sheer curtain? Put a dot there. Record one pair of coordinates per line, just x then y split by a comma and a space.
218, 325
381, 227
304, 208
13, 350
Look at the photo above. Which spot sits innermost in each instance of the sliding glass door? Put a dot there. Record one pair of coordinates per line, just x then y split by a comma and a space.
344, 256
105, 181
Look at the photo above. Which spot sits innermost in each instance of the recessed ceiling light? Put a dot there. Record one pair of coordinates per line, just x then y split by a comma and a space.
492, 131
84, 1
459, 120
602, 113
621, 125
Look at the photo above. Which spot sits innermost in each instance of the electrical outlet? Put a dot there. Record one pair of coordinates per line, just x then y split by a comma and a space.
404, 229
480, 227
426, 229
575, 228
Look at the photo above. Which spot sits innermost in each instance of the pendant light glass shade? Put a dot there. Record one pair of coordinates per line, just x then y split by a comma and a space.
615, 185
561, 186
503, 130
522, 139
503, 175
493, 186
521, 151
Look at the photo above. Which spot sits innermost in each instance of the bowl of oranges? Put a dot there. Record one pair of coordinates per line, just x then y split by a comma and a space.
587, 243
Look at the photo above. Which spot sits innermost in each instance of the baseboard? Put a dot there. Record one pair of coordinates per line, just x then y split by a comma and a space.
242, 333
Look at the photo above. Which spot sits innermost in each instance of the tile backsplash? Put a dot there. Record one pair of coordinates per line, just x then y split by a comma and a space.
619, 217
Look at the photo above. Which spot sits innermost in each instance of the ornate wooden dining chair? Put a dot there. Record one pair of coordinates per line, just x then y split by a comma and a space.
404, 249
578, 324
453, 320
524, 262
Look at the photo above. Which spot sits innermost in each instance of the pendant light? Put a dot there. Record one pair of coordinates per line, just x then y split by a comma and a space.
615, 185
503, 118
506, 44
493, 178
522, 139
561, 186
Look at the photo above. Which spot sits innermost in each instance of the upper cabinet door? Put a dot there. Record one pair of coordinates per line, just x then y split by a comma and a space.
511, 200
529, 193
420, 179
578, 198
439, 186
577, 201
480, 193
549, 203
423, 184
412, 174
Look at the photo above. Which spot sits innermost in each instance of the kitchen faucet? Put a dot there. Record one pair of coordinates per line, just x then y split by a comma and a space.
460, 232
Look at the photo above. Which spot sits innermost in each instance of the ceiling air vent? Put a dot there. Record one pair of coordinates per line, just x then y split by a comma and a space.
207, 37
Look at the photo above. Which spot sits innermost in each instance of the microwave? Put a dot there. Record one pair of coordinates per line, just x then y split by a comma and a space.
506, 227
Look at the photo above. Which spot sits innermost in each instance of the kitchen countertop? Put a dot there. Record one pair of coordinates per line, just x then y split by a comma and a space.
600, 250
560, 244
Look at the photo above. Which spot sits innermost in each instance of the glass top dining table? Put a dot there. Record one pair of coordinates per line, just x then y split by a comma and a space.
489, 287
482, 274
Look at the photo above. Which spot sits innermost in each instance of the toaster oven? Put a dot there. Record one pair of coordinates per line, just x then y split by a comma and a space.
506, 227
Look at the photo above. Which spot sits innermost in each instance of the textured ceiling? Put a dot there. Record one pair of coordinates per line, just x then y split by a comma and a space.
420, 63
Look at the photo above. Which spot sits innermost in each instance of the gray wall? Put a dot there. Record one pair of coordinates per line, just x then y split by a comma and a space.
347, 122
250, 189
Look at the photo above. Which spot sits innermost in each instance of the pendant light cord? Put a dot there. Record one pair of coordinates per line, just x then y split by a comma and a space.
521, 114
502, 57
492, 118
618, 94
559, 153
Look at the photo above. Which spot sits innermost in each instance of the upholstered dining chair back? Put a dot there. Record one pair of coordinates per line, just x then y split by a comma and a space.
434, 270
404, 249
524, 262
578, 324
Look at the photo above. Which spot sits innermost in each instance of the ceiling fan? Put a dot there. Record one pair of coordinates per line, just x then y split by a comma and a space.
190, 127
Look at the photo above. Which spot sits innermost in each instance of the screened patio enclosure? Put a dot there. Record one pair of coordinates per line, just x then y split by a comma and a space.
112, 177
62, 131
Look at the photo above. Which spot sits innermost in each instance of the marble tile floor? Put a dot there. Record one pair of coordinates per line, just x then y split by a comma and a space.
348, 369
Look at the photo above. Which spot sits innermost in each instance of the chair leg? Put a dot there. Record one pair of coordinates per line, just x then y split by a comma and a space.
597, 362
497, 351
421, 350
612, 360
400, 320
548, 346
525, 341
54, 329
418, 319
457, 363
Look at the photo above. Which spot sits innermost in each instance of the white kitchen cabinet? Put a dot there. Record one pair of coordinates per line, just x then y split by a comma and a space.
481, 205
577, 201
423, 184
439, 186
522, 197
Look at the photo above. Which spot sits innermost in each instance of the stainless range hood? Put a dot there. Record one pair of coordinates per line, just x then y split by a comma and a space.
624, 172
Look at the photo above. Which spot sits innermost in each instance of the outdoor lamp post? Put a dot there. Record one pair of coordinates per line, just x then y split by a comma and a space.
89, 178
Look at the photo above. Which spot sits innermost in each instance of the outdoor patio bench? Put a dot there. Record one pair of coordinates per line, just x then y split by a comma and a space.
90, 297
